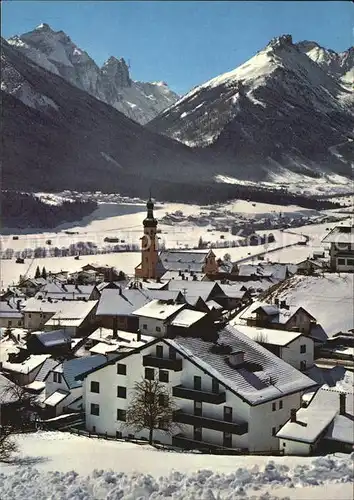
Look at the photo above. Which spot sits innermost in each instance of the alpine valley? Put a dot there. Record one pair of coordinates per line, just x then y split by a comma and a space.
286, 116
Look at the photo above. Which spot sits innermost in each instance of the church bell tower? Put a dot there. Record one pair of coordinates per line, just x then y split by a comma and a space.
149, 245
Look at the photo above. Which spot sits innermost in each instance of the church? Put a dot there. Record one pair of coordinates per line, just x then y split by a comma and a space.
187, 264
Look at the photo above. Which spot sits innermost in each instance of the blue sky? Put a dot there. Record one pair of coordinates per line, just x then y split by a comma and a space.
183, 43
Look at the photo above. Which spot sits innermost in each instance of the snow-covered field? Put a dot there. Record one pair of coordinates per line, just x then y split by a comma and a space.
58, 466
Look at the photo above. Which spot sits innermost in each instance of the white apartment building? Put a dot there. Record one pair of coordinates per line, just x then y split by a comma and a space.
232, 393
341, 248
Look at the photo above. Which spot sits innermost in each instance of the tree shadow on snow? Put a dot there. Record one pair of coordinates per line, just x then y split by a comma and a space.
26, 460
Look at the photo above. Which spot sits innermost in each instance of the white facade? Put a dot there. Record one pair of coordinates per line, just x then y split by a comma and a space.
152, 326
36, 320
263, 420
55, 381
290, 447
299, 353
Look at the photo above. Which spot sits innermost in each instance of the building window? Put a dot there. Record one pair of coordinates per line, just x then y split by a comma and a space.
341, 262
163, 400
145, 326
57, 377
274, 431
227, 440
163, 424
159, 349
30, 315
280, 405
274, 406
302, 348
95, 387
121, 392
119, 435
149, 373
172, 353
350, 262
227, 413
121, 415
197, 383
302, 365
158, 329
163, 376
197, 434
121, 369
95, 409
198, 408
215, 386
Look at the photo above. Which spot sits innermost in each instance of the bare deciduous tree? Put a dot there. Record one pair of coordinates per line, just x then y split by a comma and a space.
151, 407
7, 445
24, 405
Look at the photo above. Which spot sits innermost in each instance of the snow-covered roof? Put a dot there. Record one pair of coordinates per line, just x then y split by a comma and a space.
57, 290
341, 429
28, 365
268, 335
56, 397
322, 411
104, 347
158, 309
53, 338
189, 260
176, 275
261, 378
213, 305
75, 367
116, 302
340, 234
187, 318
35, 305
328, 298
36, 385
6, 311
71, 313
309, 425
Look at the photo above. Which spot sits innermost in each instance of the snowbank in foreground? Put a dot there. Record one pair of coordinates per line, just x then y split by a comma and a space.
26, 482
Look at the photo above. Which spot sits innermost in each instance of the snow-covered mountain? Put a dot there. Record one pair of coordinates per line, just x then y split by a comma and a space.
55, 51
340, 65
56, 136
278, 112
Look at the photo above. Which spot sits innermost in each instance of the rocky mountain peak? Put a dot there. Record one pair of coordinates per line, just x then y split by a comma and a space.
116, 70
44, 27
281, 42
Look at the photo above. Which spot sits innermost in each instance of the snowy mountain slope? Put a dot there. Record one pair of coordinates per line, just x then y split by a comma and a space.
55, 51
278, 110
340, 65
56, 136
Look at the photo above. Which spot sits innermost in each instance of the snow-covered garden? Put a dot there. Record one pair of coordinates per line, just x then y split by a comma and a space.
61, 466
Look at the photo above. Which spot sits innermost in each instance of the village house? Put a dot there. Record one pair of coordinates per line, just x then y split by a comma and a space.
280, 316
56, 343
341, 248
62, 391
77, 318
64, 291
156, 315
25, 372
295, 348
30, 286
230, 393
10, 316
325, 424
37, 312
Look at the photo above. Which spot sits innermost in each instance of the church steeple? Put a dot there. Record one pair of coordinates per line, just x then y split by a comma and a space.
150, 220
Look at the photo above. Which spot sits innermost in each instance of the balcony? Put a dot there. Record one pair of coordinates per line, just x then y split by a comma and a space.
163, 363
196, 395
210, 423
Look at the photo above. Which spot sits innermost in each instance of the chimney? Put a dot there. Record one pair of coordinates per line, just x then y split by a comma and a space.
138, 336
182, 276
120, 290
293, 415
342, 398
237, 358
179, 273
283, 303
276, 302
115, 327
19, 305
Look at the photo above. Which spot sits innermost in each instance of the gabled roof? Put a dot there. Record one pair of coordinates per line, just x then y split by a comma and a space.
73, 368
6, 311
28, 365
117, 302
54, 338
48, 365
34, 305
158, 309
187, 318
262, 378
56, 397
269, 336
191, 260
194, 289
72, 313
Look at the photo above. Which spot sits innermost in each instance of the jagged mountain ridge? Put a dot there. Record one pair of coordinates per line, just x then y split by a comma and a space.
112, 84
57, 136
340, 65
279, 111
